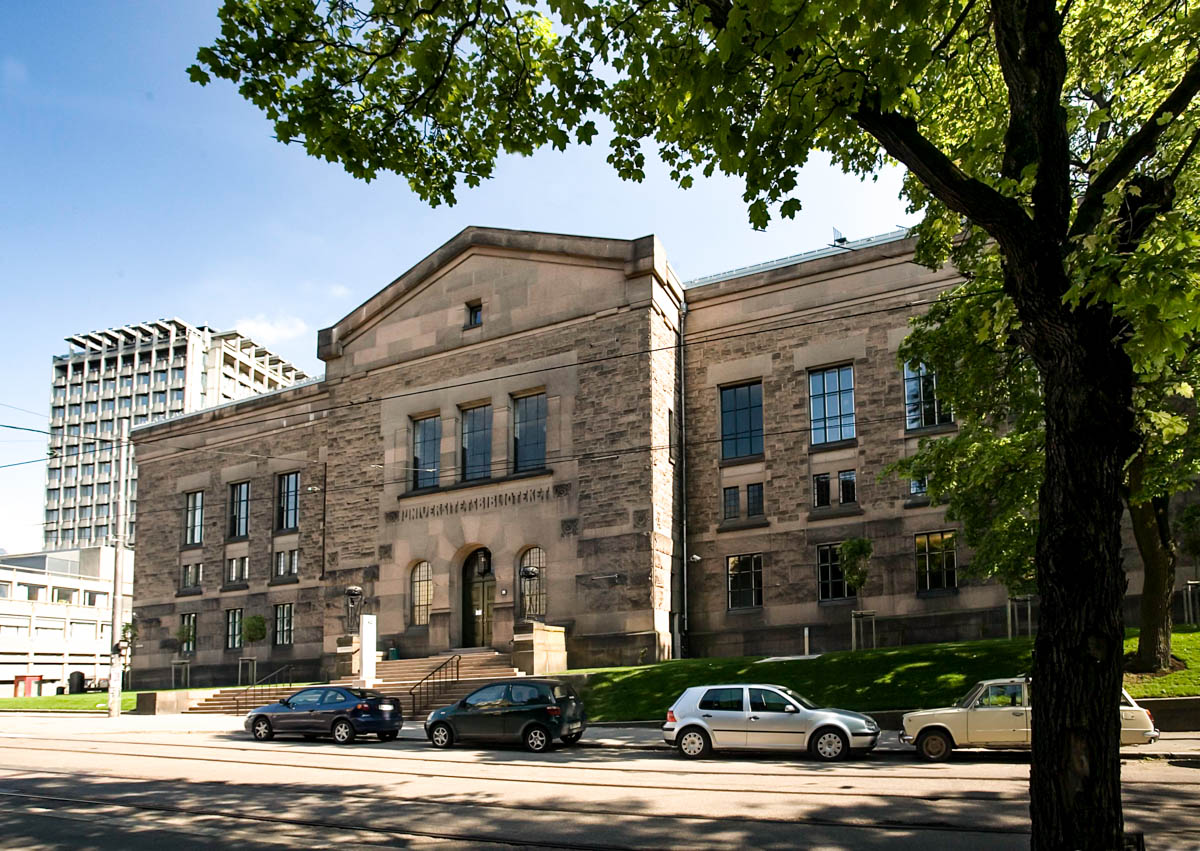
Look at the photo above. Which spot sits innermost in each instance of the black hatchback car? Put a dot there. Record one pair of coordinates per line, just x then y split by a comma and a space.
532, 712
337, 711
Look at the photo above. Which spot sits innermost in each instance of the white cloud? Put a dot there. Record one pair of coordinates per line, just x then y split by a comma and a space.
270, 332
339, 291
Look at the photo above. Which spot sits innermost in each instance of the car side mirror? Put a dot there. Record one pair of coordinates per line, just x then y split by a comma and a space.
462, 704
791, 709
284, 701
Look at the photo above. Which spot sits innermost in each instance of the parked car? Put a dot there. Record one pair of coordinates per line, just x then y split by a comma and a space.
996, 714
763, 717
532, 712
337, 711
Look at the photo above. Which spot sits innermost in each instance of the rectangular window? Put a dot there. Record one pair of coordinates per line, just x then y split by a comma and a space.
101, 531
821, 490
287, 563
68, 493
831, 399
108, 405
177, 374
73, 410
917, 487
51, 494
187, 634
287, 501
529, 432
176, 397
102, 489
745, 581
143, 400
474, 314
732, 504
5, 590
191, 576
846, 487
477, 443
101, 511
427, 452
741, 420
90, 408
193, 519
36, 593
754, 500
160, 397
233, 629
237, 569
937, 562
921, 406
283, 623
239, 510
52, 515
831, 583
672, 444
64, 595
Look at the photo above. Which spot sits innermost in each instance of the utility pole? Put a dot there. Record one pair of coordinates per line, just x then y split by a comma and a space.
116, 663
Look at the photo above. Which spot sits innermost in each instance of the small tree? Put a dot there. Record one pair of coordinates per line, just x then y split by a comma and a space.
855, 556
254, 629
185, 635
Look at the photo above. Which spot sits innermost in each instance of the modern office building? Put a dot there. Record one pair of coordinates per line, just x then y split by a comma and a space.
56, 616
135, 374
538, 427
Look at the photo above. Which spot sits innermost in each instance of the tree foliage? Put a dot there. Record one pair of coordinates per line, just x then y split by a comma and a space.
254, 629
855, 560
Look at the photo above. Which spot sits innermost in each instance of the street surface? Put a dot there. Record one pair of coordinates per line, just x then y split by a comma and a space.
140, 783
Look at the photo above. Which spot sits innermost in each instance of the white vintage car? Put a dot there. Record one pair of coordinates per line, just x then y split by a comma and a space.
995, 714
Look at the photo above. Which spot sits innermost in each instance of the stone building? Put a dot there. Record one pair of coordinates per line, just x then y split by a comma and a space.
505, 434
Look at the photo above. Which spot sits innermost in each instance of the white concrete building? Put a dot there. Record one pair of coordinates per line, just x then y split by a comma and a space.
56, 615
135, 374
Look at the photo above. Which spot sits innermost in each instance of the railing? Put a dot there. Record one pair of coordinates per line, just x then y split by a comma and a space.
434, 682
279, 677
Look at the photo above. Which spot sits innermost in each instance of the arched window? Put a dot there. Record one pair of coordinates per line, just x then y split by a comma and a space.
422, 593
533, 584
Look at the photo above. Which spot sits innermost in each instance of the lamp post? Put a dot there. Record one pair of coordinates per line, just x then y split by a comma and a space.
115, 665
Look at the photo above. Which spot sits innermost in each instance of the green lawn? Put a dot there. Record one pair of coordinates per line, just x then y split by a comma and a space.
93, 701
1185, 643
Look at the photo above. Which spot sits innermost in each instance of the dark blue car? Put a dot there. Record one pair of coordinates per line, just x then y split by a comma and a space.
337, 711
532, 712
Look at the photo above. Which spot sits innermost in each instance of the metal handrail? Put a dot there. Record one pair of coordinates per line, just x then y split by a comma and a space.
428, 685
268, 681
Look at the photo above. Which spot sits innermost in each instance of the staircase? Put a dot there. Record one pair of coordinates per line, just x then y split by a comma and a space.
476, 667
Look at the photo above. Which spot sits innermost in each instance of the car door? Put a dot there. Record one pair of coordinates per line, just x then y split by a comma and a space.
774, 722
526, 702
999, 716
300, 710
724, 711
335, 702
481, 713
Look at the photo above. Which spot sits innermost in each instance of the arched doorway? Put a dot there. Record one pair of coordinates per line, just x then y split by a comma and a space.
479, 594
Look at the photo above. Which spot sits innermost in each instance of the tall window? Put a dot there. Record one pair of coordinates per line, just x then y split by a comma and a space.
287, 563
477, 443
921, 405
237, 569
187, 632
745, 580
283, 624
831, 399
193, 519
533, 584
427, 442
287, 501
422, 593
847, 492
239, 510
474, 314
191, 576
820, 490
754, 500
741, 420
731, 503
529, 432
937, 562
233, 629
831, 582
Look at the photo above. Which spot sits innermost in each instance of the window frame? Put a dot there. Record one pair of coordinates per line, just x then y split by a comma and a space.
529, 450
287, 501
847, 424
239, 510
731, 503
832, 562
475, 442
284, 632
189, 619
755, 585
736, 441
822, 490
233, 629
426, 473
193, 519
532, 589
850, 478
420, 588
921, 399
946, 568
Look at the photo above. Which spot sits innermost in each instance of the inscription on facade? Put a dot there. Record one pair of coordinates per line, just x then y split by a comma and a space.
478, 503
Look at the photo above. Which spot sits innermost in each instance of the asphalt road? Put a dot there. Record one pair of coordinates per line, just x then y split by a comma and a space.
221, 789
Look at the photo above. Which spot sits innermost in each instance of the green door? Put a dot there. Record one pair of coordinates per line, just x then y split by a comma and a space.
479, 596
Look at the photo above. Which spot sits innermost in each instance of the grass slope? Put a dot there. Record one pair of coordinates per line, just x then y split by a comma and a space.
888, 678
1185, 643
94, 702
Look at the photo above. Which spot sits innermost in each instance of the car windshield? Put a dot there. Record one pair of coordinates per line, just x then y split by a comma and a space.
965, 701
799, 698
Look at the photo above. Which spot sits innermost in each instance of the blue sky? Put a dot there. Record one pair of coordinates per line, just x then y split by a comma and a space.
129, 193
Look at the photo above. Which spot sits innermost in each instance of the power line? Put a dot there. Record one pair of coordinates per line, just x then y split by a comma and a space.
23, 463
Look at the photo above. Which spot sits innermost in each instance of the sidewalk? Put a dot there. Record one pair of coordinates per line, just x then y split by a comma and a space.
17, 725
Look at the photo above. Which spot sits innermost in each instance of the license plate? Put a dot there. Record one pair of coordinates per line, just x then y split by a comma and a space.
387, 707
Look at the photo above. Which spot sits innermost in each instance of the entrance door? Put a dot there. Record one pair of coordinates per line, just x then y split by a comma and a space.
479, 594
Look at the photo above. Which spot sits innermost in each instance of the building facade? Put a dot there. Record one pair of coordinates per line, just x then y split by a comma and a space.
56, 614
540, 427
133, 375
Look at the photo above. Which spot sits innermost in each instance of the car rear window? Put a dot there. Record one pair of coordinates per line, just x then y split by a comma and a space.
365, 694
727, 699
562, 691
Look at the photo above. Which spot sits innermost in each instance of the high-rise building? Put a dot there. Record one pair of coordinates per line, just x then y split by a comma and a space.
135, 374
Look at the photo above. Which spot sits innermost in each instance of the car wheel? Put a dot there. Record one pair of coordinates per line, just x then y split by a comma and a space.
537, 739
261, 728
343, 732
441, 736
829, 744
572, 738
934, 746
694, 743
388, 736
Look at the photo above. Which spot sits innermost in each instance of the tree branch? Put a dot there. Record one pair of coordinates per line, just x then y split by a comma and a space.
1136, 148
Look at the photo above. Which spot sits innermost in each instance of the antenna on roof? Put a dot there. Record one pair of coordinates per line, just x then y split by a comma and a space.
839, 240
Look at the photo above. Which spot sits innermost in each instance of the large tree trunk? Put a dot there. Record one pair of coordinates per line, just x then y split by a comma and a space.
1152, 530
1075, 779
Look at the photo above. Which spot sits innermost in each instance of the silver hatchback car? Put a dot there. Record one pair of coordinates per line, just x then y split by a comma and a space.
763, 717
